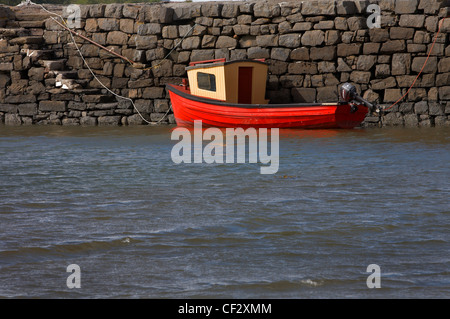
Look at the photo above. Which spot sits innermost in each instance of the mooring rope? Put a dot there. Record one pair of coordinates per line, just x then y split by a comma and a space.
424, 64
95, 76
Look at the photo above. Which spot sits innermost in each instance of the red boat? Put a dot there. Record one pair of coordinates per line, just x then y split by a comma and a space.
231, 94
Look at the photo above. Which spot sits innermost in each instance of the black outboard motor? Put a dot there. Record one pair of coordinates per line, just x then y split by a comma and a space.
348, 94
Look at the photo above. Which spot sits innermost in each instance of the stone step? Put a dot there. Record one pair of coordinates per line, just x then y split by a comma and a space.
27, 40
53, 65
13, 33
32, 24
37, 55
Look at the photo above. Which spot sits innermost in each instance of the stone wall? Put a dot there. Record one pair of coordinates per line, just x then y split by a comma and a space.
311, 47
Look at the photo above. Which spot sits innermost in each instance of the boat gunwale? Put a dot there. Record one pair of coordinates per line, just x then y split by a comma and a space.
173, 88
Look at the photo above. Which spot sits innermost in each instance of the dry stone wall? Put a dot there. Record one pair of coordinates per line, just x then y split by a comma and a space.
311, 47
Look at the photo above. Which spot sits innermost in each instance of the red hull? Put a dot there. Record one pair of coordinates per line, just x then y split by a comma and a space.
187, 108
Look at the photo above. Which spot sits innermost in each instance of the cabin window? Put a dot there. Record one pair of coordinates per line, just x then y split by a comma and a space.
206, 81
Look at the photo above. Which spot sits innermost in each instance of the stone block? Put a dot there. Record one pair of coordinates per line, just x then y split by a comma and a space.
313, 38
301, 54
393, 46
109, 120
266, 10
52, 106
130, 11
365, 62
401, 63
444, 65
444, 93
258, 53
356, 23
13, 119
302, 68
97, 10
146, 42
324, 25
158, 14
6, 66
392, 119
88, 121
345, 50
153, 93
303, 95
226, 42
371, 48
149, 29
412, 20
269, 40
108, 24
161, 106
418, 62
302, 26
117, 38
202, 55
421, 107
230, 10
135, 119
406, 6
327, 94
289, 40
378, 35
317, 8
280, 54
401, 33
170, 32
443, 79
113, 11
190, 43
327, 53
360, 77
28, 109
346, 7
431, 6
435, 108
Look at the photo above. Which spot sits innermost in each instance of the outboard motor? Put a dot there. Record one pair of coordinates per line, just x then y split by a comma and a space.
348, 94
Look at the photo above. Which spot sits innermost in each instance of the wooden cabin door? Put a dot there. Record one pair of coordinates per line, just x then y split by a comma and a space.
245, 85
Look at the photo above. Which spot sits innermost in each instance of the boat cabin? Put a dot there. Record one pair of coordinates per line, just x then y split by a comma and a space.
240, 82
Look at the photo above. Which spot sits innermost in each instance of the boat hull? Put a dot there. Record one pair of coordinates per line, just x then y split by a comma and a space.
187, 108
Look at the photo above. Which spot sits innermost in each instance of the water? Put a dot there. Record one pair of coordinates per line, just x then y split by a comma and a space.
139, 226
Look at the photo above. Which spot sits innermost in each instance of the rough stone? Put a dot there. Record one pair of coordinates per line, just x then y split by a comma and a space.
344, 49
412, 21
289, 40
313, 38
327, 53
321, 7
366, 62
405, 6
52, 106
109, 120
300, 54
13, 119
117, 38
418, 63
421, 107
303, 95
302, 68
266, 10
401, 33
226, 42
108, 24
270, 40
